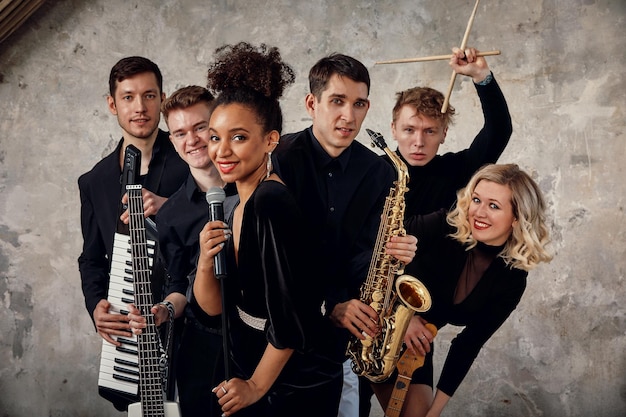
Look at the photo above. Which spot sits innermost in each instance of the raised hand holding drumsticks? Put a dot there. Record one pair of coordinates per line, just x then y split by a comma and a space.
456, 61
469, 62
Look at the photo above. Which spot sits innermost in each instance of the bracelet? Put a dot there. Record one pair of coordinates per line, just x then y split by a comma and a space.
487, 79
169, 306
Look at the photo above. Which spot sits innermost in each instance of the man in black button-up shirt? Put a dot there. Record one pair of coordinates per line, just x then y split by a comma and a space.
341, 186
199, 358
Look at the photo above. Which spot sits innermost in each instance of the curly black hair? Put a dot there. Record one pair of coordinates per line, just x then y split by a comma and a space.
252, 76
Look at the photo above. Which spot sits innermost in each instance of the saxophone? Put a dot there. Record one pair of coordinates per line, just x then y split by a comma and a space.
393, 295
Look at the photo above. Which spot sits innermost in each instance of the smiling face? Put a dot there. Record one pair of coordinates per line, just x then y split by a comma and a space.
137, 105
491, 214
238, 146
338, 115
418, 136
189, 133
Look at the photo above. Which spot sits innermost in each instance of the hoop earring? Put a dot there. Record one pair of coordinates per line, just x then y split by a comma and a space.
268, 165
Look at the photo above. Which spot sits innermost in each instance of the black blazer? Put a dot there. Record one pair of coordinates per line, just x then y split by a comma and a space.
100, 195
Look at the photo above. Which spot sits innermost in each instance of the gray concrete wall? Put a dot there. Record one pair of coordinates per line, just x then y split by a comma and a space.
562, 351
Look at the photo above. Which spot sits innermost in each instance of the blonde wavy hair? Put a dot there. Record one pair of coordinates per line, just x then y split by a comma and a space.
526, 246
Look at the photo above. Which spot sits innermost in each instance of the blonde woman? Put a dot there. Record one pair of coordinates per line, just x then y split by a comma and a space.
474, 261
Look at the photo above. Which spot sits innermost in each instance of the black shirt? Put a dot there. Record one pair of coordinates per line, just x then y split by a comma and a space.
343, 199
180, 221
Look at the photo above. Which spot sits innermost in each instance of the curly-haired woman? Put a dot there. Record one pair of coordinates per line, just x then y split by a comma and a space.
276, 326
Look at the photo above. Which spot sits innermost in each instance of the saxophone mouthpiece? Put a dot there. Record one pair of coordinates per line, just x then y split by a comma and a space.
377, 138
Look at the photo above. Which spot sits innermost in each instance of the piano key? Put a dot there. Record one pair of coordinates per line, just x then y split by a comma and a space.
119, 365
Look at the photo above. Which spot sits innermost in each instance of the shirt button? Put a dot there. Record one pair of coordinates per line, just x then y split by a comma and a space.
332, 209
330, 174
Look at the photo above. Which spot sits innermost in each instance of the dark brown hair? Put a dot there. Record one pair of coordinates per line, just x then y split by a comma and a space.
133, 65
342, 65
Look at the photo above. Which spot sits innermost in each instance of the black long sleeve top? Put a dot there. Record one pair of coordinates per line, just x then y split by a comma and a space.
438, 264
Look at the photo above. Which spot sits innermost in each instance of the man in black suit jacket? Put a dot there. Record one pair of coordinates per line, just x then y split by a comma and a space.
136, 93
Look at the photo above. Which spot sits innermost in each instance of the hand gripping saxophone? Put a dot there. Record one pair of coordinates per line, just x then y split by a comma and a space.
395, 297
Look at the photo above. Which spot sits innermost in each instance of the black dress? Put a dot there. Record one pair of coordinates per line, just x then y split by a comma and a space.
272, 299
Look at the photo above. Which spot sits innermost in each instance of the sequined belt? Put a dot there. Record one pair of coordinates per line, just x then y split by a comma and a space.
254, 322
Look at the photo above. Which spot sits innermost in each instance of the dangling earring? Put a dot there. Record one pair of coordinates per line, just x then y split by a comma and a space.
268, 166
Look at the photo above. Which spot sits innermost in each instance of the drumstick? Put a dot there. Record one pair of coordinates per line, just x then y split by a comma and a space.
432, 58
446, 101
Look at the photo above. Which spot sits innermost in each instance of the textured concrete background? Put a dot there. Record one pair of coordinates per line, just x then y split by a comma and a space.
562, 351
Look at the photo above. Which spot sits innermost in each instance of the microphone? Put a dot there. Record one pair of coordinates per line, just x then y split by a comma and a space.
215, 196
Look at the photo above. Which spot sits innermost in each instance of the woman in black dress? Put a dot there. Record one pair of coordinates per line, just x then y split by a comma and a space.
276, 326
474, 262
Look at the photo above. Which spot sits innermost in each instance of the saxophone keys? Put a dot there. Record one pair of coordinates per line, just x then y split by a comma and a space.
377, 307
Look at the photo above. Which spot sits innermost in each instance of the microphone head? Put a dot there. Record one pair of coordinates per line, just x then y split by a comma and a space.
215, 195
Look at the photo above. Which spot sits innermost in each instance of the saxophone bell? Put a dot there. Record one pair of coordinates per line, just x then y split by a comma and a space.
413, 293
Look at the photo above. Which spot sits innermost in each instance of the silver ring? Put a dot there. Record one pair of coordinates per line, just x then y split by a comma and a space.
224, 390
423, 337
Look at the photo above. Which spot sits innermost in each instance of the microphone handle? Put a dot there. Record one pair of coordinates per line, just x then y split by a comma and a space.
216, 212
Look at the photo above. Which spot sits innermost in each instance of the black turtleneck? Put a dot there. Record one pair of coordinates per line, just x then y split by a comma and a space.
477, 261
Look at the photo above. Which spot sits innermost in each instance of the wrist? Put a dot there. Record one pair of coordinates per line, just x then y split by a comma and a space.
257, 387
484, 79
204, 266
169, 308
